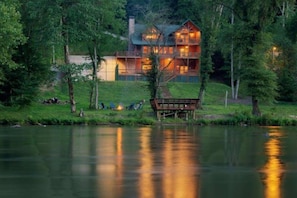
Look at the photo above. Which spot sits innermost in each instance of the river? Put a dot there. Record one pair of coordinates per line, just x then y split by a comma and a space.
161, 161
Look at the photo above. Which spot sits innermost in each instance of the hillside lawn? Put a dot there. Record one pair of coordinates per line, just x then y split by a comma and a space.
215, 110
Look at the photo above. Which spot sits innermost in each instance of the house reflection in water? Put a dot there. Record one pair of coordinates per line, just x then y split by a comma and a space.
109, 168
175, 167
273, 169
114, 165
146, 169
179, 167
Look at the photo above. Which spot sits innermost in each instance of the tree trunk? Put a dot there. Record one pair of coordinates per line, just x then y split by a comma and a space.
93, 87
71, 95
200, 97
69, 80
256, 110
236, 88
232, 62
92, 94
237, 81
96, 94
95, 77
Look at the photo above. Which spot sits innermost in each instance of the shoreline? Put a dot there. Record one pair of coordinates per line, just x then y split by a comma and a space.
219, 120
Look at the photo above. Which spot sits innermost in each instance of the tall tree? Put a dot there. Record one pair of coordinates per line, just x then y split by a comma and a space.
228, 46
11, 33
207, 14
255, 17
54, 25
155, 29
210, 24
63, 22
21, 84
108, 20
284, 52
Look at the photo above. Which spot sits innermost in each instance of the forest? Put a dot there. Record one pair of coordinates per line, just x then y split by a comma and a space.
249, 45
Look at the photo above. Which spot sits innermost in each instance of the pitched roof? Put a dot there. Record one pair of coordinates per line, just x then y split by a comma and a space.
166, 30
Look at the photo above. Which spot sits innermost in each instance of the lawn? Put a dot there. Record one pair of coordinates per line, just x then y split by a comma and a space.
125, 93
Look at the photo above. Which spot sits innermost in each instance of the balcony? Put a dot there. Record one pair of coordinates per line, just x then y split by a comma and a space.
181, 54
187, 54
191, 41
129, 54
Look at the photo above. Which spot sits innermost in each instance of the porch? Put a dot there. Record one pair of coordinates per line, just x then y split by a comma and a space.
138, 75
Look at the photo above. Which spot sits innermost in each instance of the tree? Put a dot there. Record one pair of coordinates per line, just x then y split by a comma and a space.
21, 84
24, 69
107, 21
155, 27
283, 53
255, 17
210, 24
62, 23
230, 50
208, 15
11, 33
154, 76
53, 27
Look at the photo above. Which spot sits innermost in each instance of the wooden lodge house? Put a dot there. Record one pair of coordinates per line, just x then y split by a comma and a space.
178, 46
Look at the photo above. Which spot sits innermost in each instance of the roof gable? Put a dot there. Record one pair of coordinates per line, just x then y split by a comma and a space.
165, 30
189, 26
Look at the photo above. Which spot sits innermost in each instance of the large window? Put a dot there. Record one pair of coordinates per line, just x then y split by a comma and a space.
151, 34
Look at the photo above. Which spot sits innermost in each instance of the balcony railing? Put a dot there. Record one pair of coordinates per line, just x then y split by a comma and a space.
133, 54
187, 54
129, 54
168, 73
193, 41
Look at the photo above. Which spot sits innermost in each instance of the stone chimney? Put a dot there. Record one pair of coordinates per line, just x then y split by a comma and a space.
131, 31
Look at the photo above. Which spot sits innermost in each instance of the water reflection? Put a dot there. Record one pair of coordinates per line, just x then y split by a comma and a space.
146, 183
179, 166
171, 171
109, 164
165, 161
273, 169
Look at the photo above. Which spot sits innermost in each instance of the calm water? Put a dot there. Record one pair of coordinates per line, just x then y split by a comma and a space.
170, 162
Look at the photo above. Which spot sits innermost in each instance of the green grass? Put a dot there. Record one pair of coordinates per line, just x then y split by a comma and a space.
214, 110
214, 94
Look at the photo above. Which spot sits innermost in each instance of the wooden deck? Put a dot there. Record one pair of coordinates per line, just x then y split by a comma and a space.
164, 107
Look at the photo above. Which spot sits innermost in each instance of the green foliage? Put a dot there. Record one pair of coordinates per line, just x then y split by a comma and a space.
21, 85
153, 76
287, 86
10, 31
261, 83
291, 28
74, 71
285, 61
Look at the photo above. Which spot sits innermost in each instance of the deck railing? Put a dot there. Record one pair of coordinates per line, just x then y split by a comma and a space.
164, 107
138, 54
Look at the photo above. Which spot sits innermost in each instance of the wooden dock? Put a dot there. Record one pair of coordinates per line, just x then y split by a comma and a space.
177, 107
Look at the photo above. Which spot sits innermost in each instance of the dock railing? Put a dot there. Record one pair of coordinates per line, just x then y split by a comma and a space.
177, 107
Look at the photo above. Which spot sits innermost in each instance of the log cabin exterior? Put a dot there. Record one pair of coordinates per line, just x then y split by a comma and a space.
178, 46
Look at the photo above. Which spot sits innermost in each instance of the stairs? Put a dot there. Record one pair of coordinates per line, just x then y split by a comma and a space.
165, 93
168, 76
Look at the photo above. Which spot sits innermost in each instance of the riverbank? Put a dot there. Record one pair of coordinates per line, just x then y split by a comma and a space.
216, 110
58, 114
